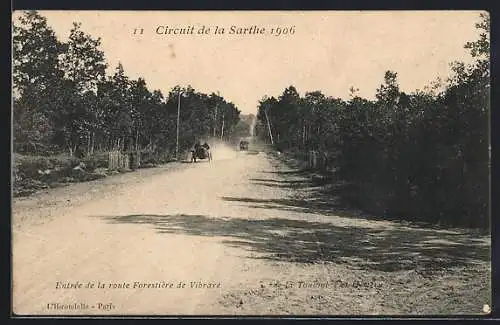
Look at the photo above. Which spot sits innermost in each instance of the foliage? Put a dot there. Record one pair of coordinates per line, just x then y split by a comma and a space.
32, 173
421, 155
64, 101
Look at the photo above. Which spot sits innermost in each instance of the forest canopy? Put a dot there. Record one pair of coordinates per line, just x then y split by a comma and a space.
65, 102
422, 154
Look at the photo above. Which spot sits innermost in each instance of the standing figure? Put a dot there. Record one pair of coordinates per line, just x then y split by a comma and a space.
207, 150
197, 146
195, 151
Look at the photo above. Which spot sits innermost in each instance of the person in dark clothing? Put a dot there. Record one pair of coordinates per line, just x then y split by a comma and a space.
206, 146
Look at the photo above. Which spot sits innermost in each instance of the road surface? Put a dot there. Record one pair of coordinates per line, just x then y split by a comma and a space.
243, 234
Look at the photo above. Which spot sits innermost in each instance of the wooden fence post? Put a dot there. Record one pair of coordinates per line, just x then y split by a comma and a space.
118, 160
111, 160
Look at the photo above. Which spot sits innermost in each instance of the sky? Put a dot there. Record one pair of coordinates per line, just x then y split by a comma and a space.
328, 51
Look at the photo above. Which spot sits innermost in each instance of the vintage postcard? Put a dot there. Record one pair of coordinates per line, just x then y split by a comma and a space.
170, 163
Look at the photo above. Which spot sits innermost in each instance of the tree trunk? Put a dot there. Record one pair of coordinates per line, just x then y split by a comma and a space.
304, 135
215, 121
222, 128
70, 148
137, 140
88, 142
93, 144
269, 128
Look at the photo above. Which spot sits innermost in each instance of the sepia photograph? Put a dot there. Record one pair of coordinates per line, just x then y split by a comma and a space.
237, 163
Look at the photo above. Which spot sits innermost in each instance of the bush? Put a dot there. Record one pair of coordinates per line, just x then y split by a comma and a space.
28, 167
153, 159
98, 160
42, 168
31, 173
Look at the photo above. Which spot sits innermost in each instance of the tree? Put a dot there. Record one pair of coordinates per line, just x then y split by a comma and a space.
481, 47
32, 130
84, 65
65, 101
313, 102
117, 103
36, 52
266, 115
422, 155
36, 78
388, 93
83, 61
140, 104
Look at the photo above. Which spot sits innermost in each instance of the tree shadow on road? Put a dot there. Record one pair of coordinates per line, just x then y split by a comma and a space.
294, 184
328, 207
316, 242
323, 193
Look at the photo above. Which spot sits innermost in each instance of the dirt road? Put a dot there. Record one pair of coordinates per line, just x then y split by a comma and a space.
243, 234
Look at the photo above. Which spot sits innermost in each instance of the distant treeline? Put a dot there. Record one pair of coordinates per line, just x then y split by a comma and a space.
423, 155
64, 101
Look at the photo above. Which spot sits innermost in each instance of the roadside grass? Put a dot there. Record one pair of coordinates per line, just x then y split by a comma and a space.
33, 173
